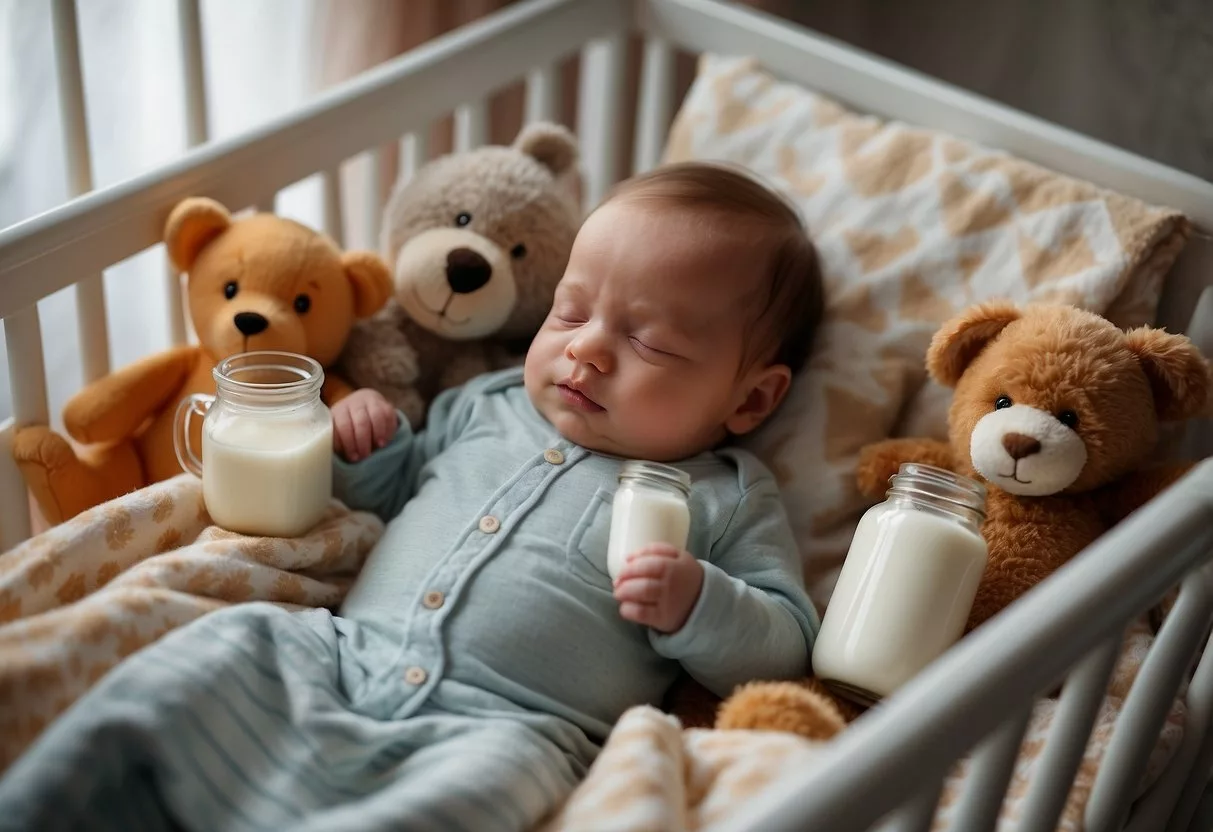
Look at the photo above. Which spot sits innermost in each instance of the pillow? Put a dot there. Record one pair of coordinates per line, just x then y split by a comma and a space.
913, 225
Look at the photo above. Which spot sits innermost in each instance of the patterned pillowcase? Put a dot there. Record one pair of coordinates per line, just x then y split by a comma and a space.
913, 226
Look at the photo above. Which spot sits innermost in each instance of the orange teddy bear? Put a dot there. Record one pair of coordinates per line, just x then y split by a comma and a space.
1057, 412
261, 282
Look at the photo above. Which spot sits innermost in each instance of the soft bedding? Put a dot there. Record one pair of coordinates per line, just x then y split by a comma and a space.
653, 774
78, 598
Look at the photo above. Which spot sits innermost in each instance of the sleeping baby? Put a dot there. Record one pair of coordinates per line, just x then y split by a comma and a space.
484, 652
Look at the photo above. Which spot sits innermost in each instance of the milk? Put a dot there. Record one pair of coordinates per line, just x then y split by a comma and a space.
266, 475
902, 598
641, 515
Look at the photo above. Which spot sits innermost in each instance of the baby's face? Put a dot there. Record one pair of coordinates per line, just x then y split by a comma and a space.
642, 352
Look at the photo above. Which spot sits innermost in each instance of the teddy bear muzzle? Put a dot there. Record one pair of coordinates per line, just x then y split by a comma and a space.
1027, 451
457, 283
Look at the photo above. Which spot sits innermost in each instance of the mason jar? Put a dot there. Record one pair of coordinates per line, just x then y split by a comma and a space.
907, 585
650, 506
267, 444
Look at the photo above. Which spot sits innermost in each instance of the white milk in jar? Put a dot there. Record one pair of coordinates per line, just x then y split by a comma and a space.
650, 506
907, 585
267, 445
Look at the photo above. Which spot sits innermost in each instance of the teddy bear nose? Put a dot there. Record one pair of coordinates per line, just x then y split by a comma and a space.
467, 271
1019, 445
250, 323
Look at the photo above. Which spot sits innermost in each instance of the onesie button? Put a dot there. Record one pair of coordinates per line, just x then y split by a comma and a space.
553, 456
489, 524
415, 676
433, 600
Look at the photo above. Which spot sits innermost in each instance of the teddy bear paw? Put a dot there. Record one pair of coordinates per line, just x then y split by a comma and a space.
780, 706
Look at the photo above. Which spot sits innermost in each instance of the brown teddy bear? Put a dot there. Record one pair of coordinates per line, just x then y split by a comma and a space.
478, 241
261, 282
1057, 412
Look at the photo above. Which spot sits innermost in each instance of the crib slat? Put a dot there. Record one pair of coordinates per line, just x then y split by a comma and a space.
471, 126
1081, 696
23, 339
1179, 788
654, 106
1147, 704
414, 153
372, 201
917, 813
14, 500
599, 99
189, 21
91, 320
542, 94
993, 764
334, 219
189, 25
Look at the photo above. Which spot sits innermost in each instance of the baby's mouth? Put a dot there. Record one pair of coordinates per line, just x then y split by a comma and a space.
577, 399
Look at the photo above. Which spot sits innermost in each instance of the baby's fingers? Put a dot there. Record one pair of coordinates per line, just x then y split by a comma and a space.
640, 590
637, 613
383, 424
343, 430
363, 430
644, 566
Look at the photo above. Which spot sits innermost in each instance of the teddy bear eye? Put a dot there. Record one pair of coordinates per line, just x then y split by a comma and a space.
1002, 402
229, 289
1068, 418
463, 218
518, 251
302, 304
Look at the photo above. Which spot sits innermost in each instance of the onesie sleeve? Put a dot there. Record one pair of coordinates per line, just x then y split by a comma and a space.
753, 620
384, 481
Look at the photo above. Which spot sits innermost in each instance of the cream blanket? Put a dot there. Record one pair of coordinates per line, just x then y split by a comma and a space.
81, 596
654, 775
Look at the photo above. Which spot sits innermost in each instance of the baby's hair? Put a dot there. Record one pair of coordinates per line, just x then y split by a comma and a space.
794, 301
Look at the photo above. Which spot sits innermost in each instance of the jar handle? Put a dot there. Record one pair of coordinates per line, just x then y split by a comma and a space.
197, 403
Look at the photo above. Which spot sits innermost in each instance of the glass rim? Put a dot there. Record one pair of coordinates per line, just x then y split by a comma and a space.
658, 472
308, 370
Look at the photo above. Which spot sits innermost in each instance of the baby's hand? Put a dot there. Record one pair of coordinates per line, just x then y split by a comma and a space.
362, 421
659, 586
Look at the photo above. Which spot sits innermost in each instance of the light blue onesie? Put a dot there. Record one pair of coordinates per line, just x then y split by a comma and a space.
475, 668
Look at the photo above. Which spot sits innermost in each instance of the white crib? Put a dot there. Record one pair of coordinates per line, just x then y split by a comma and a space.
886, 770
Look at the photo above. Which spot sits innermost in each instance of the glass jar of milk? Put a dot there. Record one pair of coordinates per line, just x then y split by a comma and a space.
907, 586
650, 506
267, 444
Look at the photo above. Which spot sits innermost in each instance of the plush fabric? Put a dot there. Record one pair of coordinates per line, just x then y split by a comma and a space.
913, 225
78, 598
260, 282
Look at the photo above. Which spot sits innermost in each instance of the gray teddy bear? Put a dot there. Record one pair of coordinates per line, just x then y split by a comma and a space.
477, 242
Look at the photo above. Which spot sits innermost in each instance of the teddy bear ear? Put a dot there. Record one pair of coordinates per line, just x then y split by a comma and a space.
370, 279
192, 224
960, 340
553, 145
1178, 373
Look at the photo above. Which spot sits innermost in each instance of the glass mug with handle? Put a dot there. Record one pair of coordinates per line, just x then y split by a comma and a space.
267, 444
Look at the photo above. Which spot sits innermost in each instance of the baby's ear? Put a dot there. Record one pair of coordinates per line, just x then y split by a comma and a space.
193, 223
552, 145
960, 340
370, 279
1178, 373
